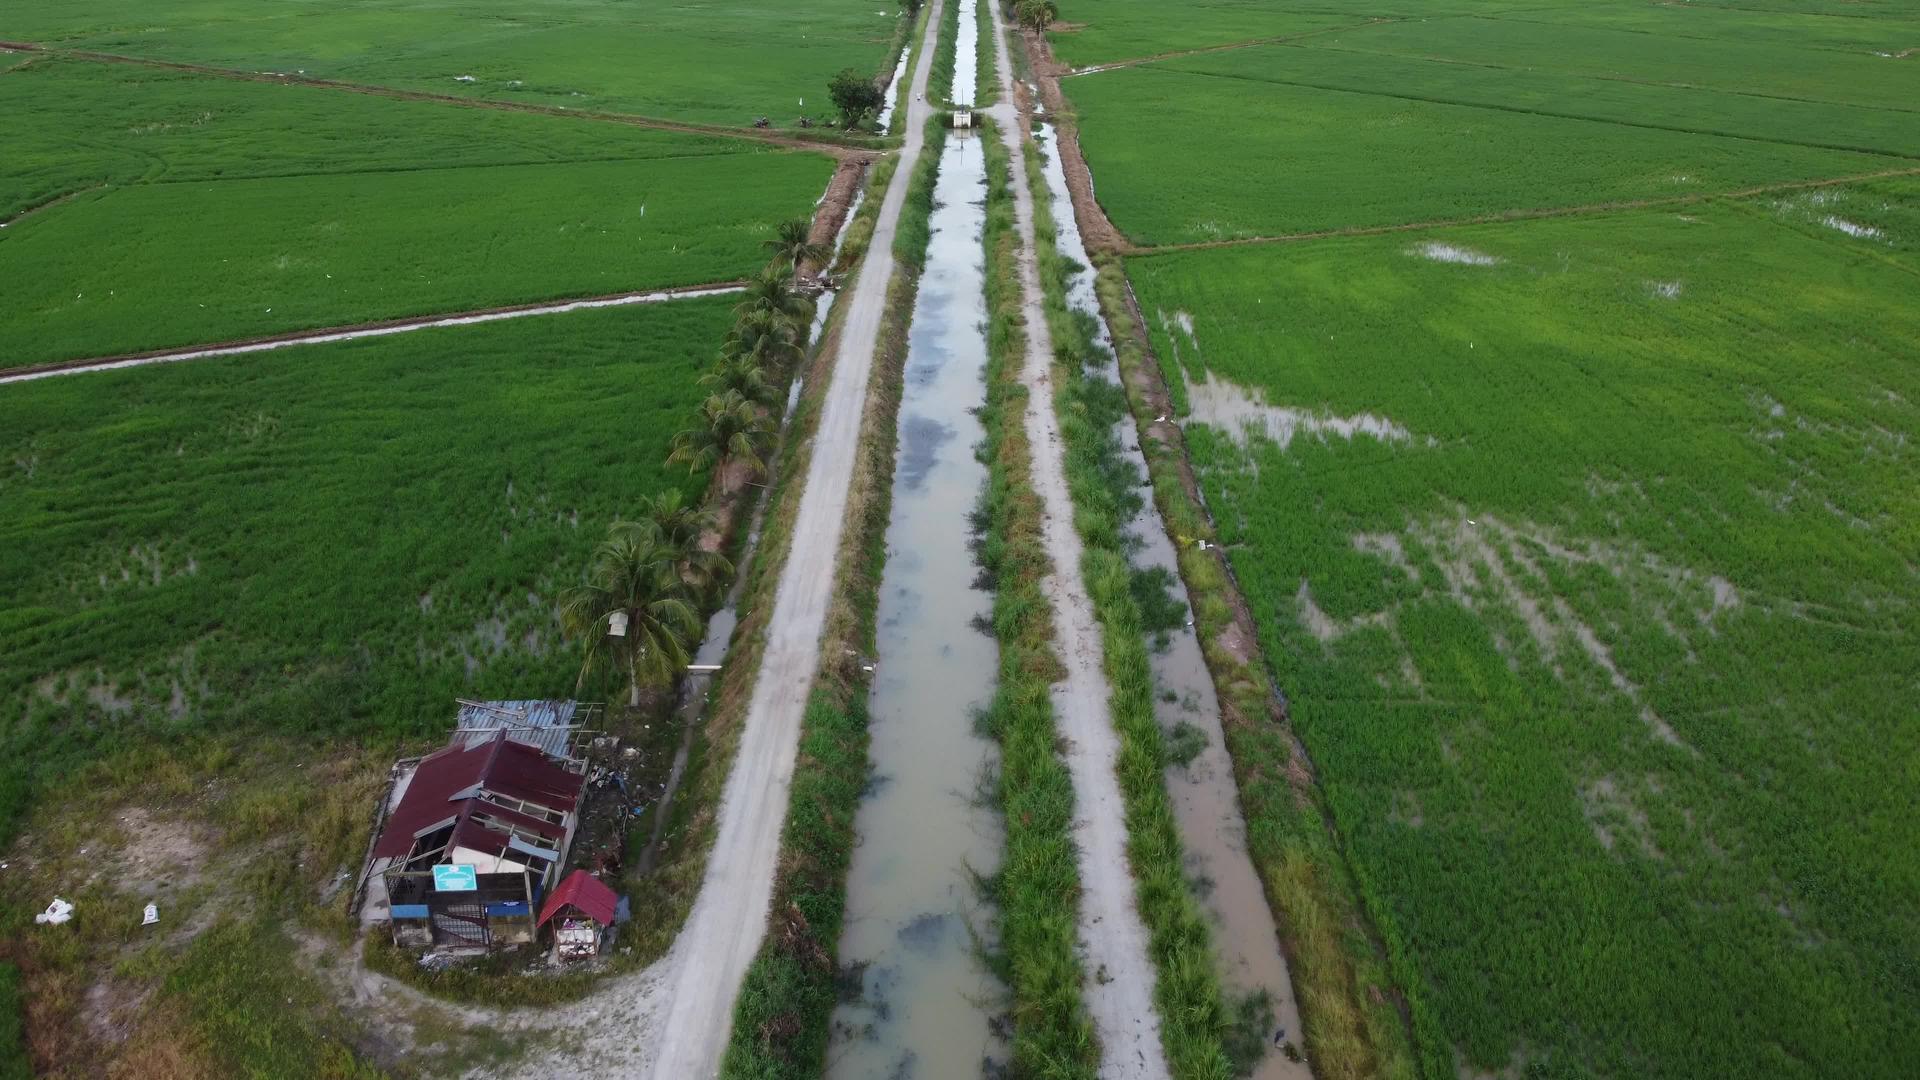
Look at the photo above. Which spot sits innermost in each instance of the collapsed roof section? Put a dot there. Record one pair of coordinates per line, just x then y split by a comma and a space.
488, 792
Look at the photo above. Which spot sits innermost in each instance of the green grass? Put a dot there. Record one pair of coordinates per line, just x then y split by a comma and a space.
256, 1013
1655, 479
147, 267
337, 539
1103, 31
1037, 887
13, 1047
716, 61
1353, 1028
781, 1020
1717, 59
1270, 159
1549, 93
71, 125
1194, 1017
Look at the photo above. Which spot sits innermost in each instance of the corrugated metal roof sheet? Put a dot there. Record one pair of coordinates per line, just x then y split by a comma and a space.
444, 782
583, 891
536, 723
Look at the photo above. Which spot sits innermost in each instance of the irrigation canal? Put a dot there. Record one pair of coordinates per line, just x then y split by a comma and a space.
1205, 797
923, 1004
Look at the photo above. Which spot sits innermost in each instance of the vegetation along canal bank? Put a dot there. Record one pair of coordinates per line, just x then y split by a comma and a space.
1543, 517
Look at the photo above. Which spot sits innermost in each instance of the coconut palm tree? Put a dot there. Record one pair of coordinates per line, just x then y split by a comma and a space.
631, 612
1036, 15
744, 373
677, 528
792, 245
771, 290
731, 429
772, 339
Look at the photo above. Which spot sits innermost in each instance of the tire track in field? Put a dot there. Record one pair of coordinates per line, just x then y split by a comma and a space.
279, 78
1522, 214
358, 331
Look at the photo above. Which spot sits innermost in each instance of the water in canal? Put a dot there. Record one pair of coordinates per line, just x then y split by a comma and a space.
1205, 798
923, 998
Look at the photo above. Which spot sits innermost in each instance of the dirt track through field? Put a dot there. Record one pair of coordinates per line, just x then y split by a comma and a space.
281, 78
1120, 975
359, 331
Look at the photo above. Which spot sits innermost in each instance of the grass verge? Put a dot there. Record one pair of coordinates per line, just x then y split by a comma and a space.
780, 1021
1356, 1019
1038, 884
1194, 1019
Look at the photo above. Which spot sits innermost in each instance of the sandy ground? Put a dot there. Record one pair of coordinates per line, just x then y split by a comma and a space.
364, 330
1120, 977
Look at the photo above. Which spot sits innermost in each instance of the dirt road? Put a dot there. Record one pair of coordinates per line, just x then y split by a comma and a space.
1120, 976
356, 332
691, 990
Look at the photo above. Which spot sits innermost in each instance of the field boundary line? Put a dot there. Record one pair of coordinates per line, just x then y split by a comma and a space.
1508, 16
278, 78
400, 170
1522, 214
1828, 236
1459, 103
359, 331
48, 205
1249, 43
1608, 78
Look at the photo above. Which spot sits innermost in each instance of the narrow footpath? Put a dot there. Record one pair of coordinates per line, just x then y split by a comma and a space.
1120, 975
362, 330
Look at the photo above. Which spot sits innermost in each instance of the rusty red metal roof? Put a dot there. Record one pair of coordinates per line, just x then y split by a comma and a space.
585, 892
447, 785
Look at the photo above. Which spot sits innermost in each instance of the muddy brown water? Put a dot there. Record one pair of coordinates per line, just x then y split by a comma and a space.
1206, 800
922, 1002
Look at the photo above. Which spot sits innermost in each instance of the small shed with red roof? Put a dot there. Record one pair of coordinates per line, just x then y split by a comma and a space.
580, 910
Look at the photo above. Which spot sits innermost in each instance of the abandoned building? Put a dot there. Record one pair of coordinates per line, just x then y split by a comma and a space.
478, 832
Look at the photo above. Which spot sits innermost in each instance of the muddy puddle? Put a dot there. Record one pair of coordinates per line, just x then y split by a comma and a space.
894, 84
1205, 798
917, 1004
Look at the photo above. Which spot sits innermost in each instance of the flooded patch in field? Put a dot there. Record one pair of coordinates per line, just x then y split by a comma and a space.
1204, 795
1450, 253
921, 1005
1485, 565
1241, 413
1853, 229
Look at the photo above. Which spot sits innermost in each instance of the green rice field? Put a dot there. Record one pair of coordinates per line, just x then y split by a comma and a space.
70, 125
1602, 640
1585, 551
217, 210
335, 539
139, 268
1306, 159
1583, 545
1127, 29
714, 61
